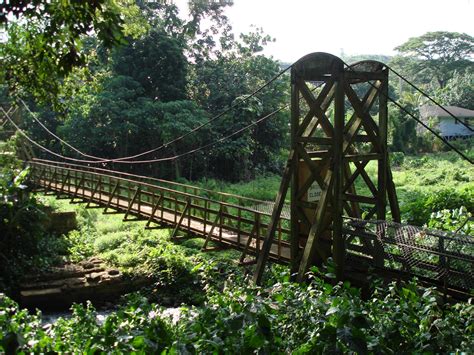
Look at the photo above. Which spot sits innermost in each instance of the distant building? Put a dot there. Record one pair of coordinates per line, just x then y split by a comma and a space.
448, 127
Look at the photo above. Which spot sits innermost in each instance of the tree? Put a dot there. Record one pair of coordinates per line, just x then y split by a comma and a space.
404, 134
157, 62
437, 55
459, 91
44, 40
220, 82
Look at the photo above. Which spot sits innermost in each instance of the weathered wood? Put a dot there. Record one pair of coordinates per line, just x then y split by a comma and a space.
316, 229
178, 225
132, 201
338, 252
247, 245
279, 201
153, 211
211, 231
99, 182
111, 196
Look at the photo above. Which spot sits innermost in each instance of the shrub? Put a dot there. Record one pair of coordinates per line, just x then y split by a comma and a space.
397, 158
418, 211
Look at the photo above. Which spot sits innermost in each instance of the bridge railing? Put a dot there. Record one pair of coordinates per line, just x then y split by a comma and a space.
265, 207
441, 258
221, 221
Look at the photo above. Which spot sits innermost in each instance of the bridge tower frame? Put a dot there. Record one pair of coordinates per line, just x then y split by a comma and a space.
339, 124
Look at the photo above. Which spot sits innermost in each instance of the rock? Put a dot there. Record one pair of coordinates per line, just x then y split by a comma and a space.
113, 272
88, 265
88, 280
94, 277
61, 222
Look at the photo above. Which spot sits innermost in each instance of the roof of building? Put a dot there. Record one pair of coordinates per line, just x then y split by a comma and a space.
436, 111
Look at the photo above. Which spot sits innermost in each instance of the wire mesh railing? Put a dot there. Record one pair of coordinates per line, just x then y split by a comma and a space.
443, 258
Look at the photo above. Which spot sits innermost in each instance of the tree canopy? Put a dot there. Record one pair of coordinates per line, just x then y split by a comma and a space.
438, 54
44, 40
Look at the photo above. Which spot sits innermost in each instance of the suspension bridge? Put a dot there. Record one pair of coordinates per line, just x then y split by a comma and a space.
325, 215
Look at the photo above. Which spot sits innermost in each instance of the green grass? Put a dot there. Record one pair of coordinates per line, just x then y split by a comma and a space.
417, 179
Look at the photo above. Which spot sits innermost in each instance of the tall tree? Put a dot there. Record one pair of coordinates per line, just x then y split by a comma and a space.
437, 55
157, 62
44, 40
459, 90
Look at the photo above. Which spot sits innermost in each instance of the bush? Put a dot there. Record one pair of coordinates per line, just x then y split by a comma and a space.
24, 243
285, 317
419, 210
135, 327
397, 158
456, 220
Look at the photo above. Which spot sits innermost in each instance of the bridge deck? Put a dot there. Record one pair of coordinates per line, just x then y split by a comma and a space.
388, 248
188, 224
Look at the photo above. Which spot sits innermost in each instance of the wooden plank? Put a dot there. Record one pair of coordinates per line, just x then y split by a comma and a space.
316, 229
211, 231
112, 196
352, 127
247, 245
277, 207
178, 225
153, 211
132, 201
314, 105
338, 250
367, 121
323, 120
359, 198
99, 182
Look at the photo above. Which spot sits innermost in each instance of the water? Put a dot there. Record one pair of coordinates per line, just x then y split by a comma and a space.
48, 318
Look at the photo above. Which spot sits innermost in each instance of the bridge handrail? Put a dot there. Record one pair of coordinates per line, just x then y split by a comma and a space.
433, 232
115, 172
186, 194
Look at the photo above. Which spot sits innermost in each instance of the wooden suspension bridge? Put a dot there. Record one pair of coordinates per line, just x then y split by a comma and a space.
339, 120
231, 221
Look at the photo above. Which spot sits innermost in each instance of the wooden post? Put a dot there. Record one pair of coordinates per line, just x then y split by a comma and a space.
99, 182
186, 207
153, 211
280, 200
338, 251
211, 231
112, 196
132, 201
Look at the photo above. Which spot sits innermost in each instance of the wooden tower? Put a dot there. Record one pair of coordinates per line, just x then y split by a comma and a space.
338, 131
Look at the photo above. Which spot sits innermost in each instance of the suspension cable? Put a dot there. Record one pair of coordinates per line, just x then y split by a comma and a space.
31, 140
126, 160
429, 97
465, 157
195, 150
35, 118
171, 158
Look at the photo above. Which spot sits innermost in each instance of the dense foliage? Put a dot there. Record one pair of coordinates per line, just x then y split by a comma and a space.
45, 40
165, 80
25, 244
169, 75
283, 317
219, 309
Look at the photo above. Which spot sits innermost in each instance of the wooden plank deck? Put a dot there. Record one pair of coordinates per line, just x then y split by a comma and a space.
220, 234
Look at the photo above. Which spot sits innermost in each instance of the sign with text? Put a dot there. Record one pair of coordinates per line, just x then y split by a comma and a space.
314, 192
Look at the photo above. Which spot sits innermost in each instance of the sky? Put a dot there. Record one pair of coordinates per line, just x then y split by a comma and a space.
346, 26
